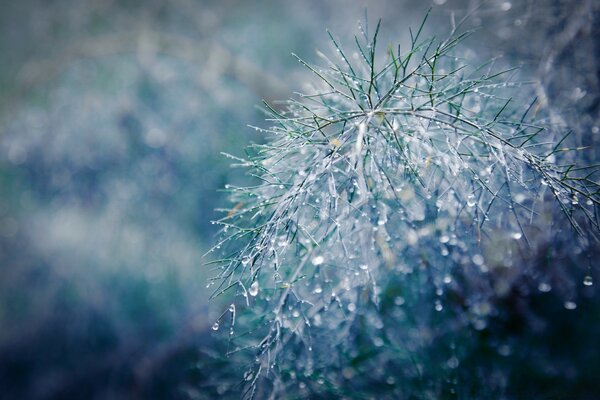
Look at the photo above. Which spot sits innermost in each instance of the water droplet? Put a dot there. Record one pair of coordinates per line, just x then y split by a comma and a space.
574, 200
588, 281
570, 305
215, 326
520, 198
399, 301
516, 235
471, 200
318, 260
447, 279
317, 320
364, 267
544, 287
253, 291
351, 307
478, 259
479, 324
444, 239
438, 305
232, 308
452, 362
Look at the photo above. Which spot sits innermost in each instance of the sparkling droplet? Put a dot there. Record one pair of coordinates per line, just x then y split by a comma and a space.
215, 326
570, 305
364, 267
471, 200
588, 281
516, 235
574, 200
253, 289
318, 260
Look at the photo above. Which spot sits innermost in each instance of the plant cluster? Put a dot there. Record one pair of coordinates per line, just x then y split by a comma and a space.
386, 201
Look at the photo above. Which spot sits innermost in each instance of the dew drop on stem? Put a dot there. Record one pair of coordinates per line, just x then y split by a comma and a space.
318, 260
253, 291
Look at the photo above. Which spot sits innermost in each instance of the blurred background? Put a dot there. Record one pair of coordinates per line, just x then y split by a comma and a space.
113, 117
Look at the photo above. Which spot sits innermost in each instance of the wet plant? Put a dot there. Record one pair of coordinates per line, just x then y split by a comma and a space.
388, 203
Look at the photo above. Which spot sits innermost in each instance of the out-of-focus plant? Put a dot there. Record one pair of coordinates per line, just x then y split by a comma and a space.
387, 202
